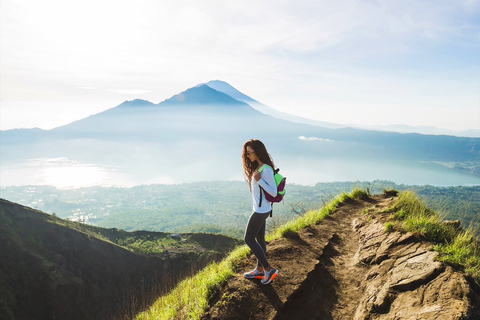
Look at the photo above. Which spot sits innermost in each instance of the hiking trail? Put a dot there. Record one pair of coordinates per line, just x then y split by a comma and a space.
348, 267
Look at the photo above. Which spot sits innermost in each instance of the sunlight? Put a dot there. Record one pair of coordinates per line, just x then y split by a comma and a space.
74, 176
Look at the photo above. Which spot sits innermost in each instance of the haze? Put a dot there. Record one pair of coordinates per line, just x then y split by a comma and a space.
364, 62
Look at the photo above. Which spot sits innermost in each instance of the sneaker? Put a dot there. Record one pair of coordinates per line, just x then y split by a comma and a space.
255, 274
269, 276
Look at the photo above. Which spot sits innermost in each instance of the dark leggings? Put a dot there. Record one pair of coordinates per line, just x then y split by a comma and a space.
255, 237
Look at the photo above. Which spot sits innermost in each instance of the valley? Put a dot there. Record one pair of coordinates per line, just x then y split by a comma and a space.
119, 197
218, 206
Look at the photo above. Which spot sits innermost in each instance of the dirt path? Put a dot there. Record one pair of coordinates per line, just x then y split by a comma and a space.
318, 277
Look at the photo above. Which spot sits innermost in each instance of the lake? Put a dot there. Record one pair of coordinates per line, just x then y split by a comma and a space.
65, 173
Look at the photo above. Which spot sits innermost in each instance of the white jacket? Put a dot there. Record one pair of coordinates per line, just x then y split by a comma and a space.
267, 182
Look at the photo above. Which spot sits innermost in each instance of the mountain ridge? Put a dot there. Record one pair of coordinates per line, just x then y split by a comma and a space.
202, 94
202, 118
224, 87
53, 269
230, 90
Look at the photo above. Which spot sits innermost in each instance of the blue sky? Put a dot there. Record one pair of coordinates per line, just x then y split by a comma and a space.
364, 62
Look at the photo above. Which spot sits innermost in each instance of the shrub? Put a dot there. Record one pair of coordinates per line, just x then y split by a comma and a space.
359, 193
390, 192
388, 227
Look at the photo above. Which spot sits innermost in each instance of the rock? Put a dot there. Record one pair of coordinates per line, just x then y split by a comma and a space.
405, 281
455, 224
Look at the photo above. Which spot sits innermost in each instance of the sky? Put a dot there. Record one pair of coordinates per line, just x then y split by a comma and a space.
367, 62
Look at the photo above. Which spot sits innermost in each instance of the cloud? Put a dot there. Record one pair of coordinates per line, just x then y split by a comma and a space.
129, 91
314, 139
284, 53
184, 38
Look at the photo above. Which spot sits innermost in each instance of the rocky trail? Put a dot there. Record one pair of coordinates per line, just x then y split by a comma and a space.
348, 267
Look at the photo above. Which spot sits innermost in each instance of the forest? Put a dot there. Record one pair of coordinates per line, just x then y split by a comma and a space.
217, 206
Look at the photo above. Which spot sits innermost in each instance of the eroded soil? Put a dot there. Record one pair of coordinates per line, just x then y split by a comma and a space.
348, 267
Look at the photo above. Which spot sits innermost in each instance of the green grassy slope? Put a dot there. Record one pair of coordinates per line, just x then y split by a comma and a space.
457, 247
54, 268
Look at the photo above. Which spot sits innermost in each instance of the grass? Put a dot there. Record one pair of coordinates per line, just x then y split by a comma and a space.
314, 216
463, 251
190, 298
389, 227
460, 248
457, 247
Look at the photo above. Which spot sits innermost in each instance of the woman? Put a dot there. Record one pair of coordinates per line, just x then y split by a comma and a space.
258, 166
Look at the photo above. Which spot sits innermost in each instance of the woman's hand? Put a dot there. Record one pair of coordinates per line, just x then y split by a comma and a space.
257, 175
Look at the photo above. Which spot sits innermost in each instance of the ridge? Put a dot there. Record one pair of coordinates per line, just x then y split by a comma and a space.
348, 267
202, 94
350, 264
52, 268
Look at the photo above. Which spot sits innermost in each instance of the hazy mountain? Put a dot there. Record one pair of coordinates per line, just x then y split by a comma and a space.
205, 115
400, 128
231, 91
200, 110
198, 134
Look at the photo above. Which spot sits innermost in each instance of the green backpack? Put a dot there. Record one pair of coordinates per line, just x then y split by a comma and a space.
280, 181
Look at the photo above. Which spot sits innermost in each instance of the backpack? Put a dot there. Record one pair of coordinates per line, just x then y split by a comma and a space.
280, 181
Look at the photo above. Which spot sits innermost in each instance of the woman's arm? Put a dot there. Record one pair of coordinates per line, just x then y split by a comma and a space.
267, 181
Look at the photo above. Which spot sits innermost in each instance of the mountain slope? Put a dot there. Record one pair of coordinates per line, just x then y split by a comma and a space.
399, 128
198, 135
55, 269
348, 267
205, 115
199, 111
422, 130
231, 91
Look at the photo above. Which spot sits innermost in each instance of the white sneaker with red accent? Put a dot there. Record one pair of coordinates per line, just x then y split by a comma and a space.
255, 274
269, 276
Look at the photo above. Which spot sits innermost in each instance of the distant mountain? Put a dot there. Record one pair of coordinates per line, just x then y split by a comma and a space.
399, 128
203, 95
198, 110
231, 91
198, 135
427, 130
56, 269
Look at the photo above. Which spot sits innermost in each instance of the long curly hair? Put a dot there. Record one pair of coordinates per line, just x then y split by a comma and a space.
260, 150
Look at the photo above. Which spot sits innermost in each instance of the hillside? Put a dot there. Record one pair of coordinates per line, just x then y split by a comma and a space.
349, 266
57, 269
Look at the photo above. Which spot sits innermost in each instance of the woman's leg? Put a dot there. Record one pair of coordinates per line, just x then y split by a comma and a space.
256, 230
260, 238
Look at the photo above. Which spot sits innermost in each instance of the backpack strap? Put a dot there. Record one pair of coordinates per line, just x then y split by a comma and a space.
263, 167
271, 211
260, 204
261, 189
